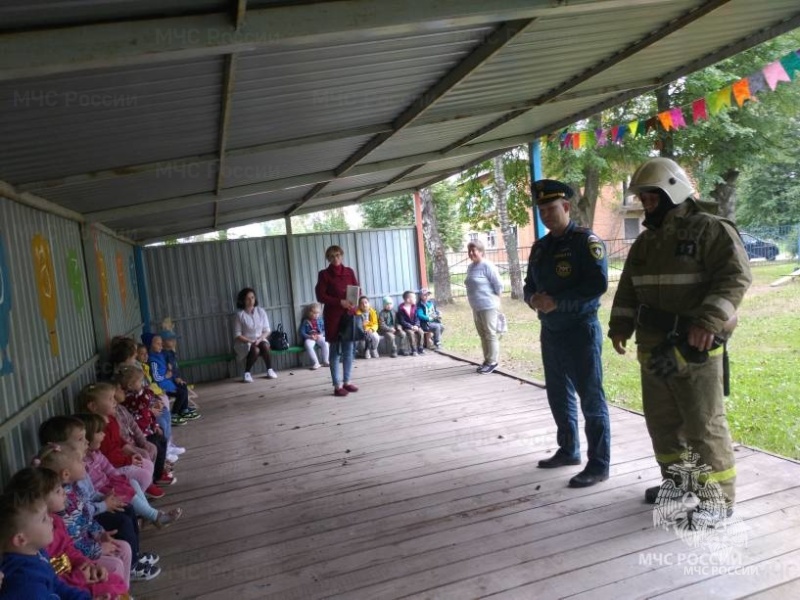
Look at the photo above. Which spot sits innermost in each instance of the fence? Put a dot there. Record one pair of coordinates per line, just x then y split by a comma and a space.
764, 245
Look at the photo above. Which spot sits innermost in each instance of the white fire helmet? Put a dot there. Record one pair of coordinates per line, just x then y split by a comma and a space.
664, 174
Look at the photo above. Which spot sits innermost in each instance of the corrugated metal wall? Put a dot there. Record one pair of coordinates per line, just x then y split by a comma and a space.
196, 284
47, 346
111, 270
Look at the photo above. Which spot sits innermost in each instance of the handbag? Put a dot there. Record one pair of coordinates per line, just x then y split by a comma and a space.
278, 340
351, 328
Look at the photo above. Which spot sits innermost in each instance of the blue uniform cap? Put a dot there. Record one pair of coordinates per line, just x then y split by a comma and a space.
547, 190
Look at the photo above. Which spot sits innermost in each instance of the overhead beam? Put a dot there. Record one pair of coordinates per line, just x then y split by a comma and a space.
491, 44
186, 163
598, 68
228, 83
45, 52
241, 10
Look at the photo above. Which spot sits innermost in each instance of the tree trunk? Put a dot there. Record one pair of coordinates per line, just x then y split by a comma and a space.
724, 194
500, 189
582, 208
436, 249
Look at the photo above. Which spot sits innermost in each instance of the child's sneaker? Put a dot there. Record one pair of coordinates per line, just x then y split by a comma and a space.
271, 374
167, 479
153, 491
189, 415
172, 459
420, 350
148, 558
176, 450
247, 378
375, 353
165, 519
144, 572
314, 367
178, 420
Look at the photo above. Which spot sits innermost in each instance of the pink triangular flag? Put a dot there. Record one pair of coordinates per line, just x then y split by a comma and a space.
600, 134
676, 115
774, 73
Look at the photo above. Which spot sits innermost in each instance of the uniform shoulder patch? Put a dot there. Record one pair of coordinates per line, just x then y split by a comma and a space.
596, 247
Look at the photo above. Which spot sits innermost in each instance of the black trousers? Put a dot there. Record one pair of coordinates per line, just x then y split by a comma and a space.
160, 443
126, 526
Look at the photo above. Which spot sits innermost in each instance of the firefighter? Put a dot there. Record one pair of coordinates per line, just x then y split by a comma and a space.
567, 274
682, 282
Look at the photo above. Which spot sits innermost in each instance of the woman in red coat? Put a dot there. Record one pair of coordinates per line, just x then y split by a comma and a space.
331, 291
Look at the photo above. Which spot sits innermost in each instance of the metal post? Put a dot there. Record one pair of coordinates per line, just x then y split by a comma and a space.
535, 154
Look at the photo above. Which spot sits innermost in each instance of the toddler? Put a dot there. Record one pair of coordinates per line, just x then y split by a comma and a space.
162, 374
409, 321
312, 332
70, 565
369, 347
26, 530
388, 326
165, 420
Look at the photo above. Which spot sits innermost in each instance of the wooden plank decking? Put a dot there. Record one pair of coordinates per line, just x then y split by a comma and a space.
423, 485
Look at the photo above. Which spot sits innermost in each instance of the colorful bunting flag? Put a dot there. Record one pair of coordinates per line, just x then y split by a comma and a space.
676, 115
775, 73
791, 63
719, 100
757, 82
741, 91
745, 89
699, 112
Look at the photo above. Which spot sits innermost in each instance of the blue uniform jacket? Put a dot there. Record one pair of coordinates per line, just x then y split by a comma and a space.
573, 269
32, 578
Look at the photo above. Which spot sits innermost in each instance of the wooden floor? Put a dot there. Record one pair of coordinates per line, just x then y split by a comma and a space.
423, 485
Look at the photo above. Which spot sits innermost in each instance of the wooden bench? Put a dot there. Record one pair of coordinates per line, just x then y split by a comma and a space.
218, 358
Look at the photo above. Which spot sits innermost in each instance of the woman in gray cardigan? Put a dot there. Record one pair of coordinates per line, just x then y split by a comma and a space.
483, 292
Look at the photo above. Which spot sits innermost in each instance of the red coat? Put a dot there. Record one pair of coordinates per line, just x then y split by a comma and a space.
331, 290
112, 445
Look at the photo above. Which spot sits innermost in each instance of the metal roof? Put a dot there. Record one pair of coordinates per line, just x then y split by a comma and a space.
165, 119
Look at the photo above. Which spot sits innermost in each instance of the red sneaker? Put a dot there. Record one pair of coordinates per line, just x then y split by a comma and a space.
340, 392
350, 387
167, 479
153, 491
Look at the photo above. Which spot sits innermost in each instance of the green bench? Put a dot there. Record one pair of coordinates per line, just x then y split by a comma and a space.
218, 358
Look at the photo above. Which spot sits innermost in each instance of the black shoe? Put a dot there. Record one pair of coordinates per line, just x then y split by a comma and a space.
486, 369
584, 479
651, 494
558, 460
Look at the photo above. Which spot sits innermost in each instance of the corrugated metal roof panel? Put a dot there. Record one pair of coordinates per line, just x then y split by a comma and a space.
428, 138
290, 92
541, 116
287, 162
138, 229
318, 204
108, 118
346, 183
518, 72
272, 202
167, 181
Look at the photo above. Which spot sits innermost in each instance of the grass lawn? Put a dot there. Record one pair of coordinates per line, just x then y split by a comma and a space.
764, 406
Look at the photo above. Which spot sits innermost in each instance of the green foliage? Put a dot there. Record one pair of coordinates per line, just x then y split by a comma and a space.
475, 192
398, 211
330, 220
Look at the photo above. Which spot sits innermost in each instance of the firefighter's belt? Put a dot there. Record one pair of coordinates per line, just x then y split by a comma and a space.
655, 318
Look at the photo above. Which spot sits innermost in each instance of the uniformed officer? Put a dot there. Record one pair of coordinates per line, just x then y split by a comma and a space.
683, 279
567, 274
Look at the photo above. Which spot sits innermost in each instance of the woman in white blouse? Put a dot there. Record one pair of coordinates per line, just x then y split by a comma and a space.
251, 329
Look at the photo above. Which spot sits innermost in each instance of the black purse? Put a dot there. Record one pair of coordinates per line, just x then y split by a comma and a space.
278, 340
351, 328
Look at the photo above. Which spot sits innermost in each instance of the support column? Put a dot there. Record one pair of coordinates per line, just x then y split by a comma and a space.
535, 154
423, 270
